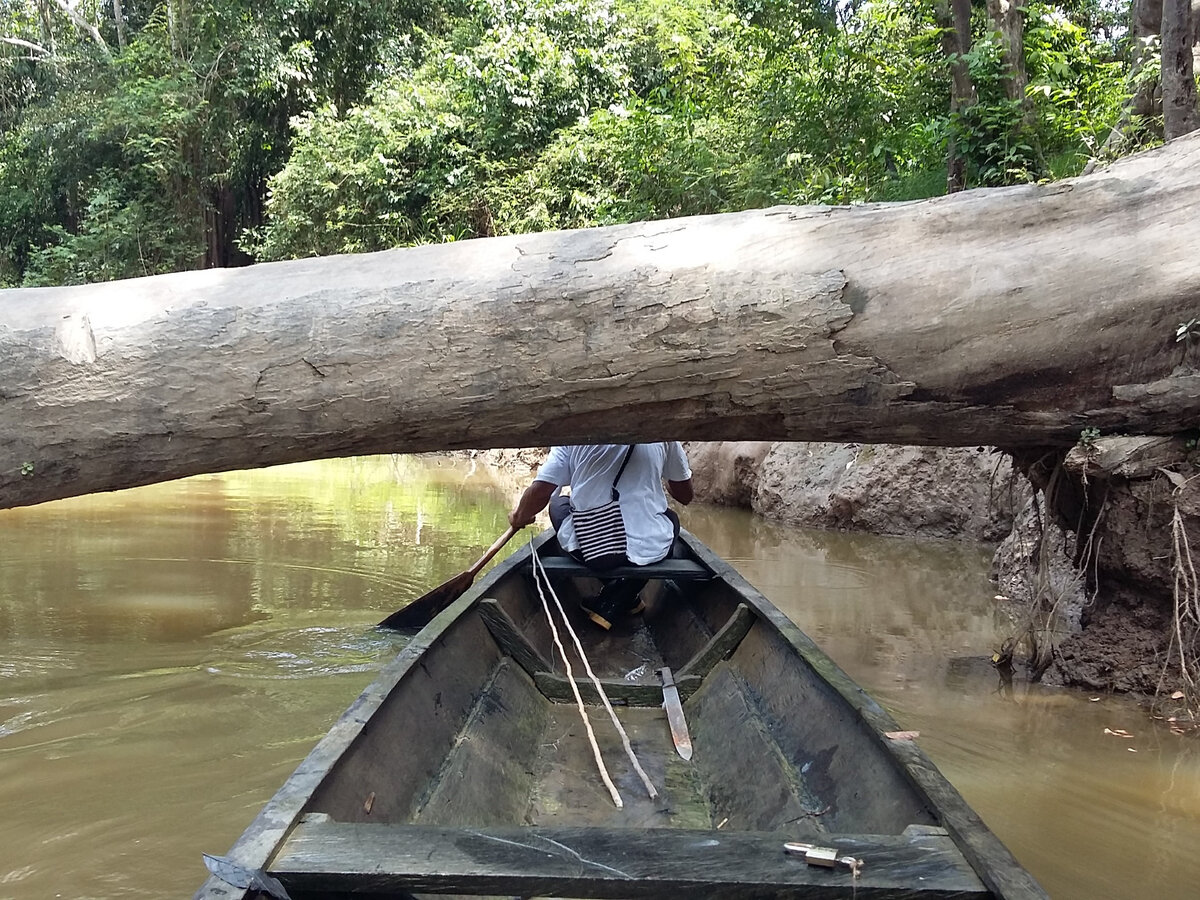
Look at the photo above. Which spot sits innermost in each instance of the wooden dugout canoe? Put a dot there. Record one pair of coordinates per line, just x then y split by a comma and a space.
465, 768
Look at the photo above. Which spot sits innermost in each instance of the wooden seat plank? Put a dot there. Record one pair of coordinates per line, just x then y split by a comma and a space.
618, 690
383, 860
676, 569
723, 643
510, 638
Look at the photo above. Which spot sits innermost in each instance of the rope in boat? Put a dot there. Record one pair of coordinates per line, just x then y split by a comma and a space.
538, 569
612, 713
587, 723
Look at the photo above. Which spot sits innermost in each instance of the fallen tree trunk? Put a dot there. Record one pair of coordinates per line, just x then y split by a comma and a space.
1014, 317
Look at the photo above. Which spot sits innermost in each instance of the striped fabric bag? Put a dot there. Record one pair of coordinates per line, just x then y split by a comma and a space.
601, 529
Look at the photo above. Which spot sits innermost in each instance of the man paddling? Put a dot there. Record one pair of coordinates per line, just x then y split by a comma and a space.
617, 504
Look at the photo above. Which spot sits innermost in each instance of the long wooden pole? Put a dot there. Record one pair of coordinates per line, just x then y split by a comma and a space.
579, 704
542, 578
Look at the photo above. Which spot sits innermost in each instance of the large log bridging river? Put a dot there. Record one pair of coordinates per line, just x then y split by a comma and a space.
1011, 317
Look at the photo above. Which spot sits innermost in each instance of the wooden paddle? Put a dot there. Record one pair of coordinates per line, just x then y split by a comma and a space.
418, 613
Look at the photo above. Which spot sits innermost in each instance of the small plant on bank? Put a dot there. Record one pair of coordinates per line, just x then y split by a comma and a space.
27, 468
1088, 438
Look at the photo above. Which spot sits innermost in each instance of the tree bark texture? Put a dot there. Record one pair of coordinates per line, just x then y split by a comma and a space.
1010, 317
1008, 18
1180, 114
119, 22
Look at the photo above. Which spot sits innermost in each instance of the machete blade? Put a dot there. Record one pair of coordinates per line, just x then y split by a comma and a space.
674, 708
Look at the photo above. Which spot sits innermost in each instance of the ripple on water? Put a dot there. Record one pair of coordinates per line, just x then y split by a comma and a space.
15, 716
312, 652
20, 663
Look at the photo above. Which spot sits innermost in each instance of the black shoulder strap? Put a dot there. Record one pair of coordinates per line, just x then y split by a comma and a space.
621, 471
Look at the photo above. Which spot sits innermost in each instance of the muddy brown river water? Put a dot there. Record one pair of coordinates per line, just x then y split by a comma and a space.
169, 654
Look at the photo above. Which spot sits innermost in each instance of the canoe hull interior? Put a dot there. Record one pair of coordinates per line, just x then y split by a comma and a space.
775, 749
472, 744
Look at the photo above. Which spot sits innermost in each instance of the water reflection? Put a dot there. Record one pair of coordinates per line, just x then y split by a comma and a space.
168, 655
171, 562
887, 610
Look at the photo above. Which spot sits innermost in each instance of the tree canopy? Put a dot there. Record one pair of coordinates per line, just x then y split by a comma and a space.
150, 136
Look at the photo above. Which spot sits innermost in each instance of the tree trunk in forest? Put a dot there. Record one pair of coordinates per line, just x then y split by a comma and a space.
177, 27
1145, 103
1180, 114
1146, 21
46, 23
1008, 18
119, 21
1013, 317
954, 23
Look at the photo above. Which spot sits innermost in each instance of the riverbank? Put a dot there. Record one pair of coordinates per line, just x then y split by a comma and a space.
1093, 605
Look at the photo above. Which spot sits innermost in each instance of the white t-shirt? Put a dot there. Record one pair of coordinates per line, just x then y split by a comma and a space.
589, 470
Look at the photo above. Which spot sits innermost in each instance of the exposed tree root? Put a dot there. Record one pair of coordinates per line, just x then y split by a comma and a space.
1043, 625
1182, 664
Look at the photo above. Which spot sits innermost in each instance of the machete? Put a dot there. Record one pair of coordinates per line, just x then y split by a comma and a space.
674, 708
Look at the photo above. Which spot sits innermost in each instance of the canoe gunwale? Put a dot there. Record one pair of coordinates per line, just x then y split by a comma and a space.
392, 860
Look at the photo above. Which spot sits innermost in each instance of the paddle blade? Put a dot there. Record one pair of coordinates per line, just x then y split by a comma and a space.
418, 613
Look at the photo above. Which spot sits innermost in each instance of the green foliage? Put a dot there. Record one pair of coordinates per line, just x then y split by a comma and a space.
305, 127
137, 163
837, 112
365, 181
1073, 98
338, 49
411, 164
538, 65
585, 112
1075, 86
625, 165
117, 237
23, 78
677, 144
990, 133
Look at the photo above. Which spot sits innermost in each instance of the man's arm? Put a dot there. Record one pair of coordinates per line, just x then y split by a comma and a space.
677, 464
532, 502
681, 490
